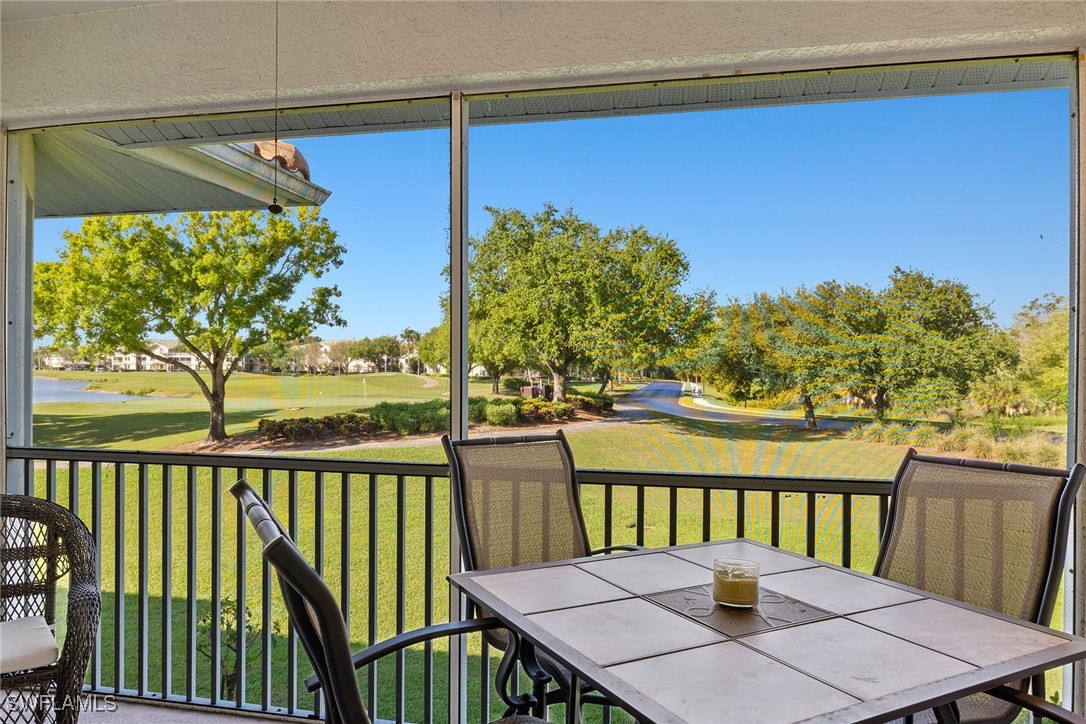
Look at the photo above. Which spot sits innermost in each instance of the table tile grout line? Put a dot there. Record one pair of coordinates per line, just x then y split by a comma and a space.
929, 648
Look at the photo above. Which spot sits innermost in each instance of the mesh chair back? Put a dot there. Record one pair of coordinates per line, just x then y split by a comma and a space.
314, 614
517, 499
989, 534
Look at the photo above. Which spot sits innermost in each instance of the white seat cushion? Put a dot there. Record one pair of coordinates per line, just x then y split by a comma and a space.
26, 643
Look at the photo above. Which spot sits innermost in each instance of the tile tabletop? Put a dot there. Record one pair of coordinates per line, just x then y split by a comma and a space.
648, 573
844, 646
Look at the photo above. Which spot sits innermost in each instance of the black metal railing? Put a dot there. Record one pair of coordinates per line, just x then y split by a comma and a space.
189, 614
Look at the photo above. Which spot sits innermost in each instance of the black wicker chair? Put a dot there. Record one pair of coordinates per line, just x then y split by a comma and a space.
318, 621
989, 534
517, 502
41, 543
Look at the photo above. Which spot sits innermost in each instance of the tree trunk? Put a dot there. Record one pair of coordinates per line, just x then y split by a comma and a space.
809, 421
559, 377
605, 381
882, 401
216, 430
494, 381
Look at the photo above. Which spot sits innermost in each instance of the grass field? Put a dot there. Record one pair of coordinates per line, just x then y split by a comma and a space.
660, 443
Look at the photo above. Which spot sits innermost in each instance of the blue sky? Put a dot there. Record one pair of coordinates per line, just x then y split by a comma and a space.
759, 199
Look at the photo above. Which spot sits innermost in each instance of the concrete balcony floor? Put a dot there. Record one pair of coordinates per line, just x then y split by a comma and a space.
134, 712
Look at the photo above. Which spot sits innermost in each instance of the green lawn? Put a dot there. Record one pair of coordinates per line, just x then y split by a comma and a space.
177, 413
660, 443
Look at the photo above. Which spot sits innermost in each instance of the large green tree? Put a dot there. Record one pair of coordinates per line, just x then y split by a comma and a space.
221, 283
551, 289
1040, 331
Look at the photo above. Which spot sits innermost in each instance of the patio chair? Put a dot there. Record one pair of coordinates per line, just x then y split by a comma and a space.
517, 502
989, 534
41, 544
318, 621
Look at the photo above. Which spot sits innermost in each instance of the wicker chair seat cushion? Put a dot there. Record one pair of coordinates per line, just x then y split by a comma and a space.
26, 643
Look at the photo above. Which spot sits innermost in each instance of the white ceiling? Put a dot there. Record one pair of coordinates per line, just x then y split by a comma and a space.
15, 10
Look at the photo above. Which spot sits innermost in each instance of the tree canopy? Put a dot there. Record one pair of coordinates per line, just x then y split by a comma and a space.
920, 342
551, 289
221, 283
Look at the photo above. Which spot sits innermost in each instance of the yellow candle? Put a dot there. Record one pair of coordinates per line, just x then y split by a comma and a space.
735, 582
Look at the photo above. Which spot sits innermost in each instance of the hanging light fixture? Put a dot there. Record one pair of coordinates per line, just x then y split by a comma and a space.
274, 206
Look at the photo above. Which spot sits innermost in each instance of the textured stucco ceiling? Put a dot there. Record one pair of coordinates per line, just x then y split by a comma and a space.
188, 56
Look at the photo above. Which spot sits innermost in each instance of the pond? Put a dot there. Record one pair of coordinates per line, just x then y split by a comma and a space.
48, 389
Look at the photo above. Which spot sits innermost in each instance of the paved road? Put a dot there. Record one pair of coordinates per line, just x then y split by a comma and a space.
664, 397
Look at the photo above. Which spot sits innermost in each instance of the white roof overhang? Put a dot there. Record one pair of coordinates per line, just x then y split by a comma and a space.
79, 173
738, 91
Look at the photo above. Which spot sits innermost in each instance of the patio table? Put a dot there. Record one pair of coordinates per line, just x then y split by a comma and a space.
825, 644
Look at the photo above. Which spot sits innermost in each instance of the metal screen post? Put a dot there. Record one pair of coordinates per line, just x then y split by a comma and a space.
18, 300
458, 372
1076, 413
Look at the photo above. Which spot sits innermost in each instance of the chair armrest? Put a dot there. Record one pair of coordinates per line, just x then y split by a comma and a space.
1037, 705
612, 549
410, 638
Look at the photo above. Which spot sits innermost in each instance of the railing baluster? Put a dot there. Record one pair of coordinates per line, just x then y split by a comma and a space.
73, 487
484, 682
371, 612
608, 512
775, 518
191, 601
96, 525
401, 590
318, 554
428, 601
884, 509
266, 613
167, 581
672, 516
812, 522
846, 530
51, 480
740, 513
241, 626
345, 548
118, 579
706, 515
142, 601
292, 639
28, 477
216, 584
640, 515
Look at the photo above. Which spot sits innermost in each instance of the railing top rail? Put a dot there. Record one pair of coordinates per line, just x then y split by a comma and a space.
713, 481
730, 481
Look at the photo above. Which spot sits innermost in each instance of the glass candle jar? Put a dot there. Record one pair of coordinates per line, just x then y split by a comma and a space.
735, 582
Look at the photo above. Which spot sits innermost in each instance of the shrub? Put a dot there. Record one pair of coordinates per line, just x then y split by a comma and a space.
296, 429
898, 435
408, 418
591, 401
477, 408
513, 384
886, 431
502, 414
860, 431
539, 410
924, 435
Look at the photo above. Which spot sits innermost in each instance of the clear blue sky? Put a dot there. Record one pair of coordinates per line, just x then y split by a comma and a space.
759, 199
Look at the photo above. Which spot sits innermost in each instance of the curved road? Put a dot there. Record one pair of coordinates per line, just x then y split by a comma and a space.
664, 397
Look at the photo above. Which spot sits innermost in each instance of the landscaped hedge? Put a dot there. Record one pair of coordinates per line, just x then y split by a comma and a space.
591, 401
502, 414
408, 418
311, 428
539, 410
